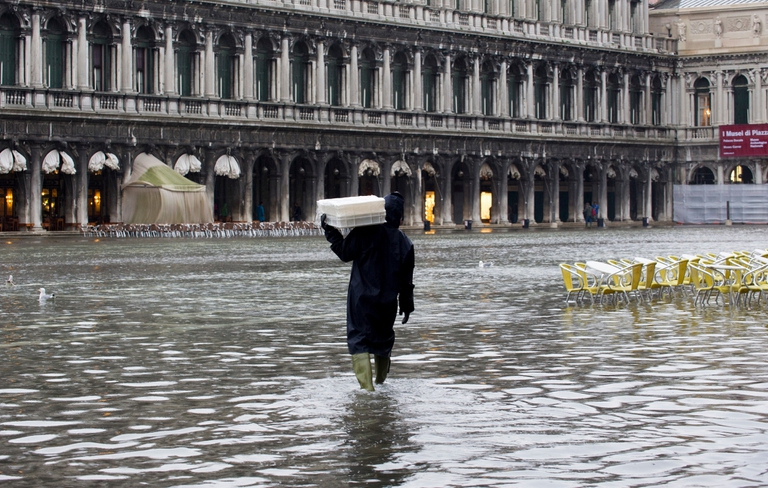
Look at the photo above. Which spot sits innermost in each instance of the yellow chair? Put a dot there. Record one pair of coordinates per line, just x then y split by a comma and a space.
622, 282
574, 283
672, 276
645, 287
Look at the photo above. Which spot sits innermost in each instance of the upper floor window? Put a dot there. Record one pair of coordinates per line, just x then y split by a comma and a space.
591, 84
226, 67
145, 62
400, 81
702, 103
55, 37
186, 60
367, 78
514, 89
101, 57
429, 74
656, 94
635, 100
301, 72
459, 80
9, 40
566, 94
265, 70
335, 63
613, 93
488, 89
540, 89
740, 100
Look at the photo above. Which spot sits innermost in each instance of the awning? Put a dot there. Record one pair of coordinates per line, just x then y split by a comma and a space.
54, 159
101, 159
370, 166
227, 166
187, 163
429, 169
401, 168
513, 172
12, 160
486, 173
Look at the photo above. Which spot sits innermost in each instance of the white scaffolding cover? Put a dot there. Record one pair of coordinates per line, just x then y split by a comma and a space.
707, 204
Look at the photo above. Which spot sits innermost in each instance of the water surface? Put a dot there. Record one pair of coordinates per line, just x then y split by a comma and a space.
212, 362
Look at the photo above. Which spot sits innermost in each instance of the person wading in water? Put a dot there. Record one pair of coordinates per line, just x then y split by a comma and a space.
382, 271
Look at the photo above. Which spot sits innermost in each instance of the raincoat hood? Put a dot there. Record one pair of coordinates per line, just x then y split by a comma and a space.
394, 206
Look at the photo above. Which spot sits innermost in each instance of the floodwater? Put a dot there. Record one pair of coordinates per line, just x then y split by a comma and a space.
214, 362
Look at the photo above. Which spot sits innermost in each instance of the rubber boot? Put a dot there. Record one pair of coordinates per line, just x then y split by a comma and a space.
361, 365
382, 368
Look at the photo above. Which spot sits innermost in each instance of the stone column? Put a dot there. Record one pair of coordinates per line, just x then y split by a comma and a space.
170, 62
529, 105
475, 193
530, 195
476, 94
248, 69
418, 98
209, 76
247, 213
210, 177
81, 187
448, 86
603, 96
556, 103
82, 55
603, 193
554, 205
648, 190
580, 94
579, 196
624, 116
646, 117
126, 82
386, 82
354, 78
320, 74
285, 71
36, 52
285, 188
35, 188
757, 98
504, 103
447, 206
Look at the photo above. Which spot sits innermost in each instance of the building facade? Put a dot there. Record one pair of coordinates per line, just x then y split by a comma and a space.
495, 111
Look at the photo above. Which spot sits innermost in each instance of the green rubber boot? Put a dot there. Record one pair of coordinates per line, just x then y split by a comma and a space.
382, 368
361, 365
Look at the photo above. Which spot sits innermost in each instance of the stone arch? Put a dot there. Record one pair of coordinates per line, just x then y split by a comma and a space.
740, 172
266, 185
431, 192
301, 188
514, 189
336, 178
461, 190
702, 174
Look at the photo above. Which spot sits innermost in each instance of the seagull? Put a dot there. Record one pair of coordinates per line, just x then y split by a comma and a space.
484, 265
44, 296
10, 281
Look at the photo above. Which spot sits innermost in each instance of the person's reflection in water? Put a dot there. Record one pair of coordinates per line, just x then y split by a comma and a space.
376, 435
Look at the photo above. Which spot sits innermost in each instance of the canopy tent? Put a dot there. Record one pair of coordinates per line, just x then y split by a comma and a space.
156, 194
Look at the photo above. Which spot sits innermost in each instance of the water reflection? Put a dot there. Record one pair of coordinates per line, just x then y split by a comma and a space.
223, 363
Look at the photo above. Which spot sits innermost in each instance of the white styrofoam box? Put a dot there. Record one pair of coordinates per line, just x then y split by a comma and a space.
352, 211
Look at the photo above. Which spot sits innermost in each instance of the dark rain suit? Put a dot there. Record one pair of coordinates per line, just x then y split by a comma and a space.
382, 268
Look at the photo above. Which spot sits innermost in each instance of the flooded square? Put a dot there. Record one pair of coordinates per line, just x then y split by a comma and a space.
223, 362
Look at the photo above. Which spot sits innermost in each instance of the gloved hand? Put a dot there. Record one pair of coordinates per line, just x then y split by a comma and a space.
405, 317
323, 224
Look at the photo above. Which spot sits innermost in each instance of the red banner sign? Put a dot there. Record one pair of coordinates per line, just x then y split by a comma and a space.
743, 140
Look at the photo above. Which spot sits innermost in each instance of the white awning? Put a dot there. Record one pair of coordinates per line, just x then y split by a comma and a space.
12, 160
54, 159
429, 169
486, 173
101, 159
227, 165
400, 168
513, 172
187, 163
369, 165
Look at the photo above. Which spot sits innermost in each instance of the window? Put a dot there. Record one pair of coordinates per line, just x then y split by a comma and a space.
264, 67
591, 84
740, 100
614, 91
612, 14
185, 62
540, 86
656, 93
566, 95
144, 63
399, 81
367, 78
701, 102
225, 69
564, 17
514, 83
9, 34
459, 80
635, 101
487, 83
300, 81
101, 46
429, 76
54, 54
335, 63
587, 12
